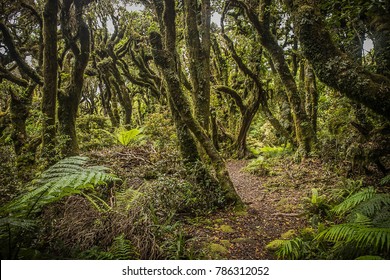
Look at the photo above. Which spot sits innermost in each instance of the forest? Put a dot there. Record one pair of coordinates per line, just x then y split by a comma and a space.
195, 129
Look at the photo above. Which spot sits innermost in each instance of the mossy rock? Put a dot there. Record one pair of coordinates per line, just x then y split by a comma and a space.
226, 228
274, 245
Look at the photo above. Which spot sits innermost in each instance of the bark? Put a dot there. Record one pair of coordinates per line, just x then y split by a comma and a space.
335, 68
50, 70
24, 147
311, 96
15, 54
198, 44
123, 96
303, 130
69, 100
164, 57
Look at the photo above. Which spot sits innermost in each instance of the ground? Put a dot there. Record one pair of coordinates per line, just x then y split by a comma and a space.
274, 207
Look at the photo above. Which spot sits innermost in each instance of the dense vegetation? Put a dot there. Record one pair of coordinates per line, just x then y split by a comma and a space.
124, 126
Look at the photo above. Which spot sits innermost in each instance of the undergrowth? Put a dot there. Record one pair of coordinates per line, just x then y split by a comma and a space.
358, 227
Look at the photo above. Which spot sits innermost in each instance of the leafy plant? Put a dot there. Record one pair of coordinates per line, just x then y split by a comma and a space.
127, 137
69, 176
368, 224
316, 205
258, 167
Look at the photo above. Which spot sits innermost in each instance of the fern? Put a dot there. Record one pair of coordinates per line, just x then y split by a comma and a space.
385, 180
67, 177
353, 200
122, 249
373, 205
292, 249
125, 200
358, 235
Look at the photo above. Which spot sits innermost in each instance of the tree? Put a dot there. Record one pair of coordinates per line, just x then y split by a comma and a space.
77, 40
164, 53
333, 67
303, 129
50, 77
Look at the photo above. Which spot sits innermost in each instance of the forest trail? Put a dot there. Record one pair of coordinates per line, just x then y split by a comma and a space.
274, 208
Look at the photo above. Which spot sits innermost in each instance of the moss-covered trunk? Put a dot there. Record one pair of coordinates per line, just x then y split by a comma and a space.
24, 146
165, 58
303, 129
69, 99
198, 44
50, 70
333, 67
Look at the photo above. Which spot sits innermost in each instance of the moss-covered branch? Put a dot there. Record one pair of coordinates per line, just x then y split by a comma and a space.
335, 68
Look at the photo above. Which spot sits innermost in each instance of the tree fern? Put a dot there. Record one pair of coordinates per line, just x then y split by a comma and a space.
67, 177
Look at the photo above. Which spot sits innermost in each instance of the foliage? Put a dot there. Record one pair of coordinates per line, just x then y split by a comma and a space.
68, 177
365, 232
316, 206
258, 167
127, 137
91, 132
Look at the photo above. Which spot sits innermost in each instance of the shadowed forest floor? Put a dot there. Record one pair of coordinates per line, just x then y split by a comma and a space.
274, 207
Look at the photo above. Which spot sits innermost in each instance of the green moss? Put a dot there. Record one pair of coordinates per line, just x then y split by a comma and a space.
226, 243
242, 240
288, 234
218, 249
226, 228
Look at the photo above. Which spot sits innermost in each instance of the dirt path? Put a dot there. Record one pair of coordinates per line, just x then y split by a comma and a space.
274, 207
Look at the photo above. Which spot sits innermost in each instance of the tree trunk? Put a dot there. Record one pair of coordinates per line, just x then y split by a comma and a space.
198, 44
304, 131
164, 57
69, 100
335, 68
50, 70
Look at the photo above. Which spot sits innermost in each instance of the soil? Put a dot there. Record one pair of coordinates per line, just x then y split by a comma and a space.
274, 206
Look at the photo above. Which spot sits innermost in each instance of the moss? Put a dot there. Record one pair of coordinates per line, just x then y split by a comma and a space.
226, 228
226, 243
218, 249
288, 234
242, 240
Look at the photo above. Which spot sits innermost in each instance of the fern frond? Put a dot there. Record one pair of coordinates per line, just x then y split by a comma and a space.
382, 218
127, 198
18, 222
372, 205
67, 177
362, 220
291, 249
122, 249
360, 236
385, 180
353, 200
